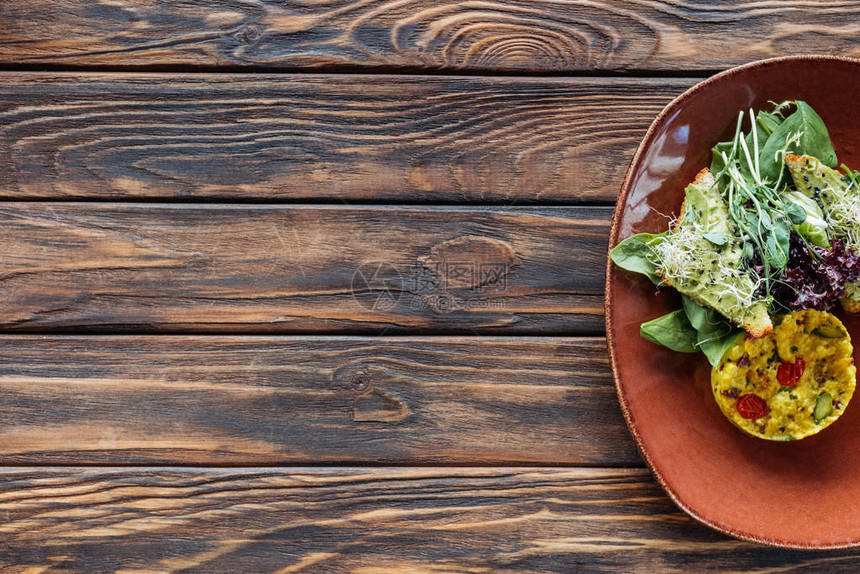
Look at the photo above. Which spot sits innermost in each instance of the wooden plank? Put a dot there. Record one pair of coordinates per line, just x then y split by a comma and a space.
509, 35
308, 400
335, 138
364, 520
290, 269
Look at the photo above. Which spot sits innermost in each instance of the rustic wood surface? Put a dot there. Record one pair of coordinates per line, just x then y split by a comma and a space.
177, 267
299, 400
311, 137
486, 35
367, 521
294, 286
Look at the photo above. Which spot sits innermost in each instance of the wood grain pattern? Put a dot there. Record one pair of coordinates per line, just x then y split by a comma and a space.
489, 35
367, 521
309, 400
181, 268
335, 138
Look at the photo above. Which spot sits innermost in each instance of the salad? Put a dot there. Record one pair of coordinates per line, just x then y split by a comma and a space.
772, 226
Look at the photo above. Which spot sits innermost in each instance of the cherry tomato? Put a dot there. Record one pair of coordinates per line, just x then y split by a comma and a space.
751, 407
799, 367
789, 374
785, 374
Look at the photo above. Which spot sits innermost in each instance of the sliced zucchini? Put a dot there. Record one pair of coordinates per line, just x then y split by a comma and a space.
829, 332
823, 407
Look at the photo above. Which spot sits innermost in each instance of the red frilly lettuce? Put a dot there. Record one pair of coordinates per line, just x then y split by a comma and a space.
814, 277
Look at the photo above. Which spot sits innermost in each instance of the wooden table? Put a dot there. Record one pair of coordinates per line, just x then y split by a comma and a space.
317, 286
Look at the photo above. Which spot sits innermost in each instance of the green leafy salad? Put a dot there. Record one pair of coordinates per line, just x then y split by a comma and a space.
772, 226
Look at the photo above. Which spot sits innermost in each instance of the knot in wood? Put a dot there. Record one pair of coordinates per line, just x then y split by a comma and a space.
360, 381
470, 262
249, 34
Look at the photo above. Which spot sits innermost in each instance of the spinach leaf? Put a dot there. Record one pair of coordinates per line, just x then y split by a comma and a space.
696, 314
636, 254
714, 333
672, 330
715, 349
768, 122
804, 133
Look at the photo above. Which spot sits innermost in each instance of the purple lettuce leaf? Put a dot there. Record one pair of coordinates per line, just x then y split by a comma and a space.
815, 277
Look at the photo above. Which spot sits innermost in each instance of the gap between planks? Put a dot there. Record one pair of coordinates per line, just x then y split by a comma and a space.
348, 71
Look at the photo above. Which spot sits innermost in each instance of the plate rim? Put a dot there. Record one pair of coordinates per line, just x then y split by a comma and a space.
645, 143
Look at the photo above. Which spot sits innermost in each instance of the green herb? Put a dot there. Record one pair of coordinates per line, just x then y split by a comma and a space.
672, 330
795, 213
750, 171
852, 177
718, 153
775, 356
690, 216
716, 237
636, 254
778, 243
812, 227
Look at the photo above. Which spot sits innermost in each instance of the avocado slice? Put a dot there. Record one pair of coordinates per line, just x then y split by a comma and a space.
702, 258
827, 187
814, 179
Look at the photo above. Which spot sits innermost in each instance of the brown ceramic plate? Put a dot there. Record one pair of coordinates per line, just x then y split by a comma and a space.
803, 494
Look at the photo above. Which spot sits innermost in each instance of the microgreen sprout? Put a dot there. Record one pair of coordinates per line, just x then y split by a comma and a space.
686, 257
843, 211
756, 206
779, 108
